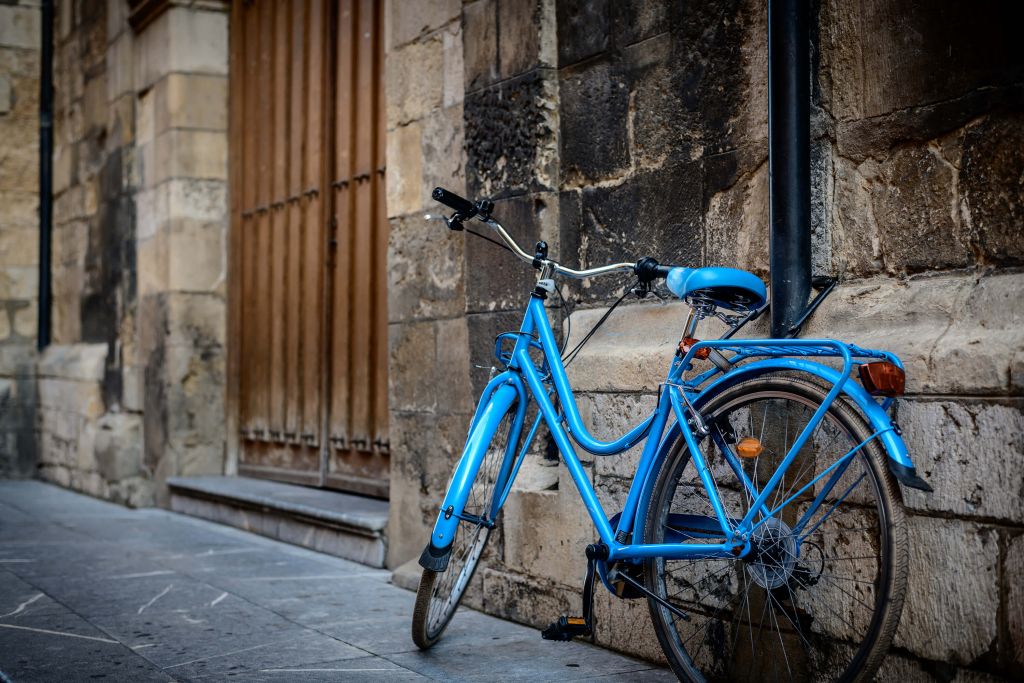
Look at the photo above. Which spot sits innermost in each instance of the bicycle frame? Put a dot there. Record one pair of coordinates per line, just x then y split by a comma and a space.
523, 381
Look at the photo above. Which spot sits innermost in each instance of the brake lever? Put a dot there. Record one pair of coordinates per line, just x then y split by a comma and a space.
453, 223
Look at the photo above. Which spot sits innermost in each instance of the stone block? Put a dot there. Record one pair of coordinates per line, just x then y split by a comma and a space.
191, 101
594, 112
993, 162
526, 599
524, 21
425, 271
196, 256
5, 325
83, 362
26, 320
480, 44
451, 366
18, 247
496, 281
118, 446
1013, 582
121, 65
454, 76
71, 396
964, 449
182, 39
188, 154
415, 80
636, 218
410, 20
19, 26
583, 27
952, 600
608, 417
737, 226
915, 206
412, 380
633, 21
444, 157
546, 533
405, 170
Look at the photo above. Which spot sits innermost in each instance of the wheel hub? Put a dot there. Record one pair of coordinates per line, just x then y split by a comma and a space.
773, 554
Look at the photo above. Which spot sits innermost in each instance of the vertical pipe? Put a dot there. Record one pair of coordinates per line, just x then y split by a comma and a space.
789, 161
45, 174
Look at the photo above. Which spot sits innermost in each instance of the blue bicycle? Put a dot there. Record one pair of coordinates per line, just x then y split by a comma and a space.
764, 524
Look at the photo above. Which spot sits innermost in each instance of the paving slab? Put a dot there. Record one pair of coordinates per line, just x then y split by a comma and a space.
92, 590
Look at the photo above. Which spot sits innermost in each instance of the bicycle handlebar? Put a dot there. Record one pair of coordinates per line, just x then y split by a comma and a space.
646, 269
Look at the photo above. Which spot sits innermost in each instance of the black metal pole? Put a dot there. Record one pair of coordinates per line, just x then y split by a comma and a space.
45, 174
789, 150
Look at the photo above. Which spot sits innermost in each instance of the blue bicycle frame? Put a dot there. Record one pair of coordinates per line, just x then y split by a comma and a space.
523, 380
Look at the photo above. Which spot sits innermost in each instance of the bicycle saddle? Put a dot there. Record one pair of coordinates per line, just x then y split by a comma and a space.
729, 288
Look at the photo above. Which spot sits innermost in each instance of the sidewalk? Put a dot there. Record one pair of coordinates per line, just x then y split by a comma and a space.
91, 590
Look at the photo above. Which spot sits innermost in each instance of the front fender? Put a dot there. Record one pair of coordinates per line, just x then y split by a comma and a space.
900, 463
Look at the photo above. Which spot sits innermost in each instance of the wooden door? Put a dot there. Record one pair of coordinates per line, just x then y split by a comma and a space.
308, 329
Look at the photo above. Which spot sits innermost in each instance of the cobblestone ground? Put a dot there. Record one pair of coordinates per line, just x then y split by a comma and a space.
91, 590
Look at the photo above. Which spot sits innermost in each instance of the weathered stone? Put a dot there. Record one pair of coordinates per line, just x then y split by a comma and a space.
916, 210
18, 247
480, 44
495, 280
736, 224
413, 383
83, 362
635, 219
960, 448
546, 533
118, 446
1013, 585
444, 158
523, 20
6, 97
425, 270
196, 258
19, 26
405, 170
526, 599
182, 39
510, 136
408, 21
454, 78
191, 101
196, 154
594, 105
952, 590
991, 186
414, 80
582, 30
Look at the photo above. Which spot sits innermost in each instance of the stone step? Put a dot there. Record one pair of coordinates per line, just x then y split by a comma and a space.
340, 524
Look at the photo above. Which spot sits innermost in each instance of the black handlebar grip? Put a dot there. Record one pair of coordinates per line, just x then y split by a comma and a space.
648, 270
454, 201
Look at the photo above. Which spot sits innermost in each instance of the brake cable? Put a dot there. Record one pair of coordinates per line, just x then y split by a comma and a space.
571, 356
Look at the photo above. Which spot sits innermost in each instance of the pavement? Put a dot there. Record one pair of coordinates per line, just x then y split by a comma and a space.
94, 591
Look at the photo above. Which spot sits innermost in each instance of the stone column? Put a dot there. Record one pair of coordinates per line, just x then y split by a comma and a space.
182, 208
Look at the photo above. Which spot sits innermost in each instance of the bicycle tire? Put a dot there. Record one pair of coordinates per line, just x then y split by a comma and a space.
888, 587
430, 619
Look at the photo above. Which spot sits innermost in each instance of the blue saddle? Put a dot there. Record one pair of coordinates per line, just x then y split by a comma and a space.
729, 288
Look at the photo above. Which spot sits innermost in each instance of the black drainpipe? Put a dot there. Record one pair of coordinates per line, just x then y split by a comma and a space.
789, 133
45, 174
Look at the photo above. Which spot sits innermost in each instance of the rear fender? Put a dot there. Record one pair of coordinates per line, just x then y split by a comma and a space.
899, 460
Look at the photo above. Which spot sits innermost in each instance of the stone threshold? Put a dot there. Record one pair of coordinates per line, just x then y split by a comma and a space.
339, 524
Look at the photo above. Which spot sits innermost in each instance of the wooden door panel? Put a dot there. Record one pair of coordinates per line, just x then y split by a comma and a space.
309, 230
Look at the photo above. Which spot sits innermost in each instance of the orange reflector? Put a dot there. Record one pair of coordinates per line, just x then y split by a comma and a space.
688, 342
882, 378
749, 447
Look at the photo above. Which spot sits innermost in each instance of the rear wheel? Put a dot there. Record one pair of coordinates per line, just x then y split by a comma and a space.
817, 600
440, 593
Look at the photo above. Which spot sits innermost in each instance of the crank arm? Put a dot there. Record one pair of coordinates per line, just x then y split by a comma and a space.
616, 575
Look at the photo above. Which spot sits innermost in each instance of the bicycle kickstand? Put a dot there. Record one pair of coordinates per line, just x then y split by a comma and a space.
567, 628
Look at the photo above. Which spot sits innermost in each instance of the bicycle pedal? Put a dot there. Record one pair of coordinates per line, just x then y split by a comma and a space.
566, 628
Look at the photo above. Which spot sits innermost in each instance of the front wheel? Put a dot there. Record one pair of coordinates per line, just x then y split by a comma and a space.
820, 594
440, 593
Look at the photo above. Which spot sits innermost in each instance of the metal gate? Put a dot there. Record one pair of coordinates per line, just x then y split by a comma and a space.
308, 329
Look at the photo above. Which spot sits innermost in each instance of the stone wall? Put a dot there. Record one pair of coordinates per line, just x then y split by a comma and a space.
621, 129
140, 223
19, 234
